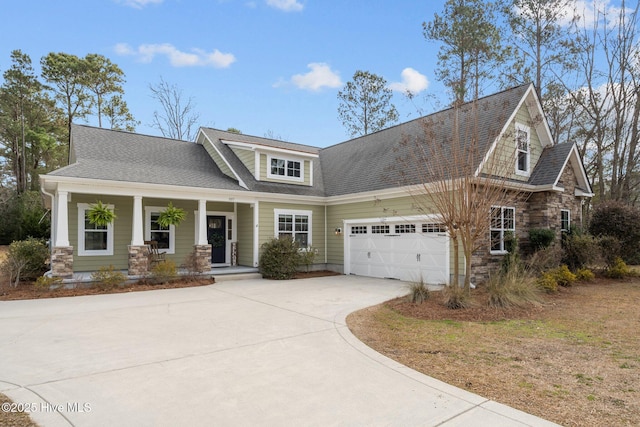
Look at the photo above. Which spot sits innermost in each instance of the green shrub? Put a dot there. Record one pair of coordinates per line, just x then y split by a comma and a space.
25, 259
563, 276
163, 272
44, 283
108, 277
541, 238
618, 270
613, 218
280, 258
418, 292
547, 283
585, 275
610, 249
580, 250
307, 256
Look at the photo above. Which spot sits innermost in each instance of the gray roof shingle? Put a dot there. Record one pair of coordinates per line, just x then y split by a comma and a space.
550, 165
125, 156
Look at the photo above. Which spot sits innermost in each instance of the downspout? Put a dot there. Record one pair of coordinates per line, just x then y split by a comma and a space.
325, 236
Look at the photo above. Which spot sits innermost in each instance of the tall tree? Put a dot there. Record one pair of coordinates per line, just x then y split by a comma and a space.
102, 78
67, 73
29, 124
470, 46
365, 104
178, 119
117, 113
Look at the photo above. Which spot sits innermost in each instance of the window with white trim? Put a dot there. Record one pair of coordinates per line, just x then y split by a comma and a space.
380, 229
405, 228
93, 240
523, 149
165, 236
503, 222
358, 229
282, 168
565, 220
294, 224
434, 227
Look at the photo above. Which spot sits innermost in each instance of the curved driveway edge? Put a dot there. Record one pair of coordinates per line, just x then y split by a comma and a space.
249, 352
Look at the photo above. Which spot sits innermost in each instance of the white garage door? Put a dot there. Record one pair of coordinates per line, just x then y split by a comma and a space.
404, 251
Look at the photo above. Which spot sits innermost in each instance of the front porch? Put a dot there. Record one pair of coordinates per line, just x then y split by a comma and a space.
218, 274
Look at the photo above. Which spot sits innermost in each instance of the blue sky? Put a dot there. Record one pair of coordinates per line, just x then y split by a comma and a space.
259, 66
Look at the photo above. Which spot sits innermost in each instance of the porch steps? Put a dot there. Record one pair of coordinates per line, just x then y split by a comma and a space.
237, 276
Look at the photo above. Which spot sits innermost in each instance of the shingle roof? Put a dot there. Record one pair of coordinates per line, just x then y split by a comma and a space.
124, 156
550, 165
216, 136
373, 162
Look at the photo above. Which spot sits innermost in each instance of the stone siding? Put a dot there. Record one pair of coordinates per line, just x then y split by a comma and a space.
138, 260
203, 258
62, 262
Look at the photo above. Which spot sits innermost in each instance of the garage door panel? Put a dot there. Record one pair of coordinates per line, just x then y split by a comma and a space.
408, 256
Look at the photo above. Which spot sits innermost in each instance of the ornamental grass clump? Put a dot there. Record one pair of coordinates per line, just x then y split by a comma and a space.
418, 292
515, 287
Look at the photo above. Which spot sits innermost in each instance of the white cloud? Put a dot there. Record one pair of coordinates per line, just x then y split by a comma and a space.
412, 82
177, 58
319, 77
286, 5
139, 4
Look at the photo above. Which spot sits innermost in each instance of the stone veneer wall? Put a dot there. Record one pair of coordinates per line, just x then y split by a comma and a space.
62, 262
539, 210
138, 260
203, 257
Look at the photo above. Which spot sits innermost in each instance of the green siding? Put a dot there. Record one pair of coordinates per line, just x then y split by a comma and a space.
264, 167
218, 160
245, 229
247, 157
505, 151
267, 224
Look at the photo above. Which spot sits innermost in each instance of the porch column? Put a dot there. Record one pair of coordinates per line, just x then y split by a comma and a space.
202, 248
138, 251
62, 219
202, 223
62, 252
137, 234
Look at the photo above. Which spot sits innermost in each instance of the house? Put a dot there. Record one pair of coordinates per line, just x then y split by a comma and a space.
348, 202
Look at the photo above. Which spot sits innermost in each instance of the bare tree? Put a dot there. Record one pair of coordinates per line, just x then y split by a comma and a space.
178, 119
458, 180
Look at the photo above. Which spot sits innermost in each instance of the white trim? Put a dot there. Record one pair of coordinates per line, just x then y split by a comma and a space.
256, 232
267, 148
226, 162
82, 208
61, 223
527, 130
502, 229
294, 213
568, 211
148, 210
137, 228
286, 160
234, 232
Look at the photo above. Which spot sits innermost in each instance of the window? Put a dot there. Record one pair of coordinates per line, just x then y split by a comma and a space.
165, 236
285, 169
565, 220
434, 227
405, 228
522, 149
295, 224
93, 240
359, 229
502, 223
379, 229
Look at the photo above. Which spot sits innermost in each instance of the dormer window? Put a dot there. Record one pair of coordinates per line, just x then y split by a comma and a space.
523, 149
281, 168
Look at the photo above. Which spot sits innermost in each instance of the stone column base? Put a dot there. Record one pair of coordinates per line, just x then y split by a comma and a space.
62, 262
138, 260
203, 258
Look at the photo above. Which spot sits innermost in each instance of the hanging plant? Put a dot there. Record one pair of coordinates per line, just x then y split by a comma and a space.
100, 214
171, 216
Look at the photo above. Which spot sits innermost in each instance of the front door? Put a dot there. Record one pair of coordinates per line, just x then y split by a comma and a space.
216, 236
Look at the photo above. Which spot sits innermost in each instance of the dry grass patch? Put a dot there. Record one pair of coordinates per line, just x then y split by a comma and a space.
574, 359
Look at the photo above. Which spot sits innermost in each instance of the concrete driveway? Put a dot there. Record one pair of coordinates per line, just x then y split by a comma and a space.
249, 352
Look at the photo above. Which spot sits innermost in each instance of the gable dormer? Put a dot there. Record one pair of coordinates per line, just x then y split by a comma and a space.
275, 164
